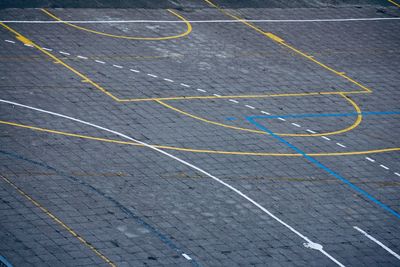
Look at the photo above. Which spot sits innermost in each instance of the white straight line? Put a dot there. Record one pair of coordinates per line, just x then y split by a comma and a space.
29, 45
184, 84
250, 106
295, 124
377, 242
396, 173
369, 159
339, 144
82, 57
118, 66
134, 70
152, 75
168, 80
234, 101
264, 112
326, 138
196, 21
282, 119
65, 53
99, 61
309, 244
383, 166
47, 49
217, 95
9, 41
201, 90
186, 256
310, 131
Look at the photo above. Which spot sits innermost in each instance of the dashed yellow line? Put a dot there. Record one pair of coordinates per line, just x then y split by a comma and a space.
188, 29
351, 127
206, 151
58, 221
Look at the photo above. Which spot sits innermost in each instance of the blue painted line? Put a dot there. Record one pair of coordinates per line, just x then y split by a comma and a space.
313, 115
364, 193
165, 239
5, 262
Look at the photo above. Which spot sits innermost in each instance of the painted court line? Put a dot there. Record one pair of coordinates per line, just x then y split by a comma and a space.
137, 71
251, 107
369, 159
310, 131
252, 120
339, 144
99, 61
185, 85
234, 101
377, 242
308, 243
295, 124
201, 90
118, 66
186, 256
65, 53
198, 21
9, 41
383, 166
398, 174
82, 57
152, 75
168, 80
47, 49
326, 138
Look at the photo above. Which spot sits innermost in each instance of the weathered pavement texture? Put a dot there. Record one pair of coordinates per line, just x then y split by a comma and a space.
199, 138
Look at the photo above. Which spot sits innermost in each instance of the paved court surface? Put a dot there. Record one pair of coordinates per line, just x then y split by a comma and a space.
200, 139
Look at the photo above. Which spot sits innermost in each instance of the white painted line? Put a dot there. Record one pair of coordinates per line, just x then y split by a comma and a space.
398, 174
282, 119
369, 159
326, 138
310, 131
264, 112
152, 75
29, 45
377, 242
234, 101
9, 41
184, 84
65, 53
134, 70
217, 95
309, 244
118, 66
168, 80
201, 90
295, 124
250, 106
47, 49
383, 166
82, 57
186, 256
339, 144
99, 61
196, 21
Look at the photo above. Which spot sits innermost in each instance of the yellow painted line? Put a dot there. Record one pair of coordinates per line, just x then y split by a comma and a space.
58, 221
207, 151
394, 3
351, 127
282, 42
59, 61
188, 29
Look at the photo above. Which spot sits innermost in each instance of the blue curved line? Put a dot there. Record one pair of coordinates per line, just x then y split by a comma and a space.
251, 119
165, 239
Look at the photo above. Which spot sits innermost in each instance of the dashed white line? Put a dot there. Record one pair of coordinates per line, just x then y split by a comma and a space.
369, 159
339, 144
377, 242
398, 174
118, 66
186, 256
201, 90
99, 61
217, 95
185, 85
28, 45
168, 80
308, 243
295, 124
134, 70
82, 57
326, 138
9, 41
383, 166
264, 112
310, 131
234, 101
47, 49
281, 119
65, 53
250, 106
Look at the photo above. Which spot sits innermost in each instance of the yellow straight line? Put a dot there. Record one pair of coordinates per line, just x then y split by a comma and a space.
57, 220
394, 3
242, 153
282, 42
59, 61
188, 29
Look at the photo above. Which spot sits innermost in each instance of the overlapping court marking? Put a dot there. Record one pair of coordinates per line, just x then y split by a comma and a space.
308, 243
188, 29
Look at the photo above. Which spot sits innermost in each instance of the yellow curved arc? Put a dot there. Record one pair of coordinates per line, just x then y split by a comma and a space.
243, 153
188, 29
351, 127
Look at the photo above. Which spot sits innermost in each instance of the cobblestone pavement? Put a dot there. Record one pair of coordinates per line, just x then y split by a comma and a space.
199, 138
